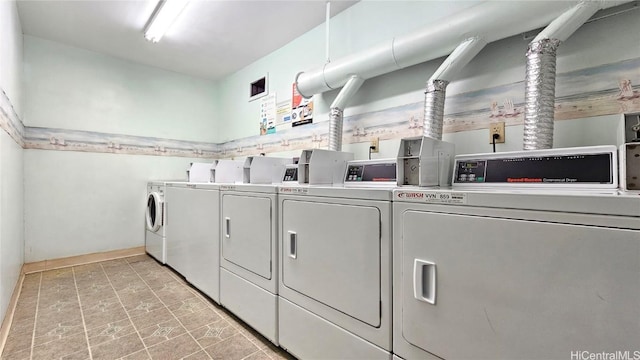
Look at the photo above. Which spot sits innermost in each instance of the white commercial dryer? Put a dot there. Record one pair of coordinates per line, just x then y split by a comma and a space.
193, 231
193, 226
538, 270
154, 239
248, 255
335, 266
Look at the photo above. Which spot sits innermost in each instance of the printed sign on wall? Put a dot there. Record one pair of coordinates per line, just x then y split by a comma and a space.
268, 114
301, 109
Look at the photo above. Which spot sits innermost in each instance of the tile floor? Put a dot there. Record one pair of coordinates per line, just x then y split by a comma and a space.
130, 308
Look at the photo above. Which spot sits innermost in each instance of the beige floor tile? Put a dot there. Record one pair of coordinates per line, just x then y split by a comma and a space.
153, 307
258, 355
130, 299
20, 355
152, 318
118, 348
175, 348
199, 319
140, 355
142, 306
24, 326
200, 355
55, 320
80, 355
156, 334
59, 348
188, 306
110, 331
101, 318
173, 293
59, 332
96, 290
85, 280
233, 348
213, 333
92, 305
25, 309
59, 305
17, 342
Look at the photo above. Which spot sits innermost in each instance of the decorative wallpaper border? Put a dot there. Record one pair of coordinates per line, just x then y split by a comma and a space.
602, 90
10, 121
89, 141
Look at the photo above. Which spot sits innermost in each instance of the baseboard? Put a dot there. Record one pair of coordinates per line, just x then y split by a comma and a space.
80, 260
11, 308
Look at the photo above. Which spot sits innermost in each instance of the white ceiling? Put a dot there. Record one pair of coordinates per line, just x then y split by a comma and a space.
210, 39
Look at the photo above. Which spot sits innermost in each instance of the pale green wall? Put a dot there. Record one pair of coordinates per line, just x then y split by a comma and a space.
370, 22
72, 88
11, 157
79, 203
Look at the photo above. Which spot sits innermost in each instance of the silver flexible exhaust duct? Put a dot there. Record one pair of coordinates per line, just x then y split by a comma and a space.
337, 109
435, 93
540, 80
434, 98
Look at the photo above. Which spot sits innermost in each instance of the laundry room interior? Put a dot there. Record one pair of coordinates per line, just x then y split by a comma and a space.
320, 179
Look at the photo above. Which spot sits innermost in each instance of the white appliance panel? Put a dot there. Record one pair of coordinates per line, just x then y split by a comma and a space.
504, 288
154, 245
329, 341
254, 305
337, 265
193, 247
246, 232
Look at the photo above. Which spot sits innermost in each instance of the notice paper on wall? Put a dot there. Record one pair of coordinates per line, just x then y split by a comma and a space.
283, 113
268, 114
301, 109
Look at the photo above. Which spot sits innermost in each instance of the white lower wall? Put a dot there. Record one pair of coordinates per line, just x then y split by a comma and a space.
79, 203
11, 217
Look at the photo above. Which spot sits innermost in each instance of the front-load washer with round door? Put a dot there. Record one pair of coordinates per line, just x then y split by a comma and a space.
155, 221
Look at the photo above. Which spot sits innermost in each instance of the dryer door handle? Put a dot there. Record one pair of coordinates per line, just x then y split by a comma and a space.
293, 244
424, 281
227, 221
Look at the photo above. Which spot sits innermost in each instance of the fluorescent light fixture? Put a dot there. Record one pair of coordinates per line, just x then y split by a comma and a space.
165, 15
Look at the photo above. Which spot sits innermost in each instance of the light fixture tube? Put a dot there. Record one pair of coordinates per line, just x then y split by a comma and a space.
162, 19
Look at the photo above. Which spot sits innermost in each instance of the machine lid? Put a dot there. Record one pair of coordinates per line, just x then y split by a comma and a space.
154, 211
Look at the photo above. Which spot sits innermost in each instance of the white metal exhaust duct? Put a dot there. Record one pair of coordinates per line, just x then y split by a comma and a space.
491, 20
337, 111
435, 93
540, 81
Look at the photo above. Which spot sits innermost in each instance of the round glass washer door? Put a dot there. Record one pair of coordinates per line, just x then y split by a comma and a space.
154, 211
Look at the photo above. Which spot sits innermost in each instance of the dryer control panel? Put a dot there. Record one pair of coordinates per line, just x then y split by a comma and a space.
371, 172
290, 173
573, 167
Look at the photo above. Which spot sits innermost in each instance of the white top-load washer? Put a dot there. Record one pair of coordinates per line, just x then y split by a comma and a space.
335, 262
193, 228
154, 239
248, 255
542, 269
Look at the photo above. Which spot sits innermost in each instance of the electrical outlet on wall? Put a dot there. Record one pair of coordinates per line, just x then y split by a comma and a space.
375, 145
496, 128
